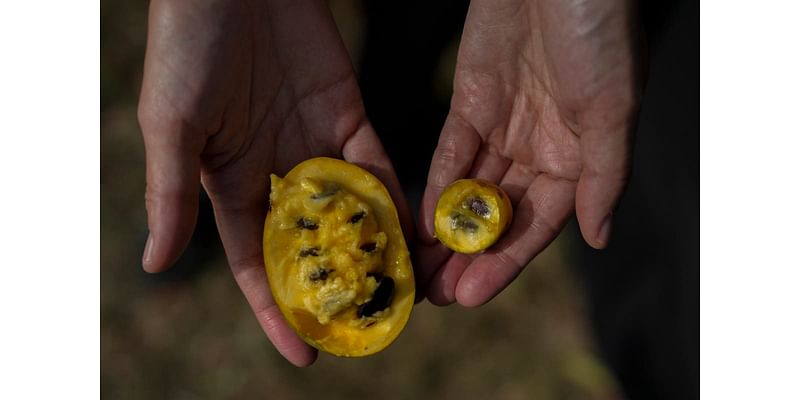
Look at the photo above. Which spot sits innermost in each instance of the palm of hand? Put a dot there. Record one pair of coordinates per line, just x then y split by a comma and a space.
542, 105
243, 85
230, 94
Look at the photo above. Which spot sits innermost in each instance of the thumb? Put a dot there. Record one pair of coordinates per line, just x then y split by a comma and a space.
173, 183
606, 169
459, 142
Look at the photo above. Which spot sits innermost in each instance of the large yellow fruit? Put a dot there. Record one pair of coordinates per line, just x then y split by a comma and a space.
471, 215
336, 258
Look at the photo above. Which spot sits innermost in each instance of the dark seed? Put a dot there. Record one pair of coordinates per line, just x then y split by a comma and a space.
478, 206
462, 222
329, 191
310, 251
305, 223
357, 217
320, 274
370, 324
368, 247
381, 299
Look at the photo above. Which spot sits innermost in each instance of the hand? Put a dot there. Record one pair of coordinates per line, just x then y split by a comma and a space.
544, 100
233, 91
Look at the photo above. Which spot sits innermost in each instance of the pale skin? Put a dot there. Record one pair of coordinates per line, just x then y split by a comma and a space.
544, 100
232, 93
543, 104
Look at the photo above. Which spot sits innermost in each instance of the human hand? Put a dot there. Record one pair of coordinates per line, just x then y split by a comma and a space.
544, 101
233, 91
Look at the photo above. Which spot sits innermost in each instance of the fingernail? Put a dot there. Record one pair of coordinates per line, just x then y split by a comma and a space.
148, 253
605, 231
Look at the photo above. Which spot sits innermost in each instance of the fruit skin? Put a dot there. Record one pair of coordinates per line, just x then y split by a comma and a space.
340, 337
458, 222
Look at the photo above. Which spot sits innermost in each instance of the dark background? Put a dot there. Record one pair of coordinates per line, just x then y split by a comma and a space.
576, 324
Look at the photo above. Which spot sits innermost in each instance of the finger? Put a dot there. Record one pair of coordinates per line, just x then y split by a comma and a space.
442, 289
172, 154
428, 259
516, 181
489, 164
240, 219
458, 144
452, 159
539, 217
364, 149
430, 254
606, 168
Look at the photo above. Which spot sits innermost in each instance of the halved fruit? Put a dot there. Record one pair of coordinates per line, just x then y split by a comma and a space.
337, 261
471, 215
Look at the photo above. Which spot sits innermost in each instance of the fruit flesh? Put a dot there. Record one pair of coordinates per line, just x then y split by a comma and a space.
471, 215
336, 259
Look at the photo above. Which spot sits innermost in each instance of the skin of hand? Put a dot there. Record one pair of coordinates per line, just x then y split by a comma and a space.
544, 103
232, 91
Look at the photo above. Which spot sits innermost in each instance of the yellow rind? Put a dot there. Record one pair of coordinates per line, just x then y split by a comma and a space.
490, 229
337, 337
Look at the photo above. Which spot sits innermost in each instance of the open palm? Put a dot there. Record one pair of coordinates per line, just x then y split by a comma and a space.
545, 94
232, 92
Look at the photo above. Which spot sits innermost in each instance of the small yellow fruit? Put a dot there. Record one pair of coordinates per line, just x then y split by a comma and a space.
471, 215
336, 258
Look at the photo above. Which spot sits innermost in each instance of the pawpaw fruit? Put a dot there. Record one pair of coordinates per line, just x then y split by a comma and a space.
471, 215
336, 258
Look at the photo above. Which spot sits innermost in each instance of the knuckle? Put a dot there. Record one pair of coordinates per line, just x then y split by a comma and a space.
542, 227
447, 153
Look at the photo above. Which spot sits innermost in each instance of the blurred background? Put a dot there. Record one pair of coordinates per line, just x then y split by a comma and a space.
577, 324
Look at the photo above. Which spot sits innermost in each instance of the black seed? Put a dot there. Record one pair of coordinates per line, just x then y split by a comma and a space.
381, 299
329, 191
462, 222
478, 206
369, 247
310, 251
357, 217
320, 274
305, 223
370, 324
